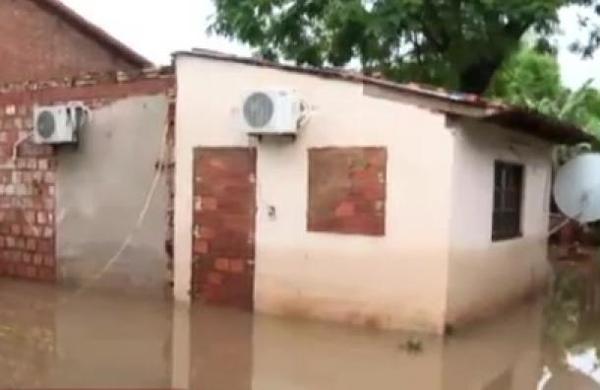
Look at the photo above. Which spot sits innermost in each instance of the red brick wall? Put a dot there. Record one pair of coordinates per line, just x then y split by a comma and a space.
224, 226
347, 190
170, 182
27, 183
37, 45
27, 190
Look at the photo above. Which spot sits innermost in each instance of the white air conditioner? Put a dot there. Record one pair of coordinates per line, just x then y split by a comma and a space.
58, 124
271, 112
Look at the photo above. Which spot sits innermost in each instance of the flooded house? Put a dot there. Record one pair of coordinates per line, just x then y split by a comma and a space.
84, 194
85, 135
330, 195
299, 192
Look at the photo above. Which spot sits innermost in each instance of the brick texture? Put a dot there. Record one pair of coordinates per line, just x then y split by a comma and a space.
27, 199
347, 190
28, 171
38, 44
169, 171
224, 226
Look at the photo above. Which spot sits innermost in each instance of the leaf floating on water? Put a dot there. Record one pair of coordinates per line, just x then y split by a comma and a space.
412, 345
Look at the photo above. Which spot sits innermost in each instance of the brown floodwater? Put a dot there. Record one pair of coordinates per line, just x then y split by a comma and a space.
50, 338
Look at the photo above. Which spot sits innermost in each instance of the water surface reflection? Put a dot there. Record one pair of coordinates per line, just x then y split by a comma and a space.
50, 339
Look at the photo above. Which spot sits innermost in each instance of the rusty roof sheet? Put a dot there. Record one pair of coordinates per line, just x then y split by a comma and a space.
59, 8
492, 111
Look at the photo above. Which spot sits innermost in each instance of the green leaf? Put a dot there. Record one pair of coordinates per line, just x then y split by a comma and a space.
457, 44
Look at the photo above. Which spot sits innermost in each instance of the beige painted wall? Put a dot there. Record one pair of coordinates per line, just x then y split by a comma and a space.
396, 281
102, 187
483, 275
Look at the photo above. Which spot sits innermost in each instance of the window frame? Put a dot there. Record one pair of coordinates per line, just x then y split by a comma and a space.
503, 228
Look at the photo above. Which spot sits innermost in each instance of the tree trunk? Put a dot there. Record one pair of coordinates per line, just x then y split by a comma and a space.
477, 77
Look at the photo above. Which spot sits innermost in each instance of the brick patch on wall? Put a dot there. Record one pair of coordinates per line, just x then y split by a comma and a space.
347, 190
224, 225
28, 172
27, 199
169, 172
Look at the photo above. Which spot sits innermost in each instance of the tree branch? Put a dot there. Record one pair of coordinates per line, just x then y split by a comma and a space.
441, 42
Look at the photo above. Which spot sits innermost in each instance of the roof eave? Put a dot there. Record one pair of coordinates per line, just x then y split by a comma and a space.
541, 126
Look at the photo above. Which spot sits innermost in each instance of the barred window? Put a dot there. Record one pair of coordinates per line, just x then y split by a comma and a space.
508, 198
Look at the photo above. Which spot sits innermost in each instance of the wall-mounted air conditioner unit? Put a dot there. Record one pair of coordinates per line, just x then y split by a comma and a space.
272, 112
59, 124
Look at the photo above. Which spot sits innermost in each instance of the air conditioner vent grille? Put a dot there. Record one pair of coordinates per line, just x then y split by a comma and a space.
46, 124
259, 110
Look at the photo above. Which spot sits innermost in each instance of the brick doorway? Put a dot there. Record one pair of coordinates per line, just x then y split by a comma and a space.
224, 226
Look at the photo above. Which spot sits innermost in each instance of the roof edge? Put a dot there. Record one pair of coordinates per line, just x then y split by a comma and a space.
540, 125
89, 79
348, 75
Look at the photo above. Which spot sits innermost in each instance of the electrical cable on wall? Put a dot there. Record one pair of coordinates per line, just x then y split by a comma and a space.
307, 114
139, 222
17, 144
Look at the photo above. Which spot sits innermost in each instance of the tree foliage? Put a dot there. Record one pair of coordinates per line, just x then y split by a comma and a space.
532, 79
458, 44
528, 78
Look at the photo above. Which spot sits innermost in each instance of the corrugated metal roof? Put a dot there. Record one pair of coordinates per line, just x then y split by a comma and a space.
517, 118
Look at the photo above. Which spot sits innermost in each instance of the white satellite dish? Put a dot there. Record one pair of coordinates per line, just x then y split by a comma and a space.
577, 188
